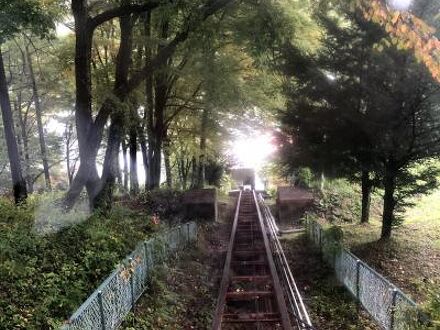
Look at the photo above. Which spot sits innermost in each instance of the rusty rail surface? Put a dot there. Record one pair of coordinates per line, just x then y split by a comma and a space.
251, 295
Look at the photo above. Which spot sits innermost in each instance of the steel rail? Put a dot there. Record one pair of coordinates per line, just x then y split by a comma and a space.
251, 295
298, 309
277, 285
226, 271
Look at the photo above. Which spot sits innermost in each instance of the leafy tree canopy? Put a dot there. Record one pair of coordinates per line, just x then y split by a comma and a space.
16, 16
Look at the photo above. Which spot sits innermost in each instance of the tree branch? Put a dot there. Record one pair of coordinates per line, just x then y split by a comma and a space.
121, 11
164, 54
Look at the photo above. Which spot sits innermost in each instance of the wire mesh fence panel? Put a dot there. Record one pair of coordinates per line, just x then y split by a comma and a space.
140, 271
329, 248
346, 269
88, 317
405, 313
107, 307
376, 295
116, 299
384, 302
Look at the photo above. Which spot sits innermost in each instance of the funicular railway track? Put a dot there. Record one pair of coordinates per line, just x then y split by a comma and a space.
251, 295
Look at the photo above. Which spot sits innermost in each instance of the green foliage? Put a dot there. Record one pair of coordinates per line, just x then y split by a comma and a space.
18, 16
43, 279
340, 202
334, 233
304, 177
342, 121
166, 203
432, 308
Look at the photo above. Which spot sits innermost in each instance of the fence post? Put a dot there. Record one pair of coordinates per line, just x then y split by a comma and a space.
101, 310
132, 283
393, 308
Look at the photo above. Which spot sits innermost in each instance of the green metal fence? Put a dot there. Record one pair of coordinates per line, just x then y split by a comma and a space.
106, 308
385, 302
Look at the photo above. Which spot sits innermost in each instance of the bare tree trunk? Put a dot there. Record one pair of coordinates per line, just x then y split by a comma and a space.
25, 140
144, 150
389, 202
111, 163
88, 142
202, 157
167, 161
18, 183
124, 154
194, 172
134, 182
68, 133
118, 168
180, 165
366, 196
39, 114
103, 200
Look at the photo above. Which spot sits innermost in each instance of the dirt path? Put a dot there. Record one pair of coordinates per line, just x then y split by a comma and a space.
329, 304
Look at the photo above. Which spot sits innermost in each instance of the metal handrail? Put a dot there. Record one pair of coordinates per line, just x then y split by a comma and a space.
298, 309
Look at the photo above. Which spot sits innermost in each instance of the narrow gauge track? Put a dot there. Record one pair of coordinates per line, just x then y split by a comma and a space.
251, 294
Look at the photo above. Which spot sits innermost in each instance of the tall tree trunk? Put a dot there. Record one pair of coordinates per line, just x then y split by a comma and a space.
155, 163
39, 114
88, 143
366, 196
104, 198
167, 161
134, 182
149, 105
90, 131
118, 168
68, 158
157, 130
124, 155
144, 149
180, 165
194, 172
111, 162
25, 139
389, 202
68, 133
202, 158
18, 183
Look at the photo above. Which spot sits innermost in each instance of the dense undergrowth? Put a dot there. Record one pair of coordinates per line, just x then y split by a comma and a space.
44, 278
